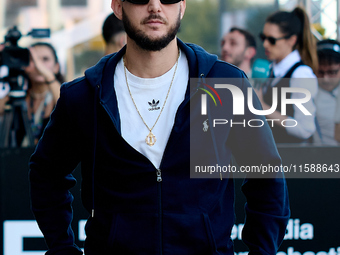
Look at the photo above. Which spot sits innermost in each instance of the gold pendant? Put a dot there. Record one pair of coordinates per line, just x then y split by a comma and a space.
150, 139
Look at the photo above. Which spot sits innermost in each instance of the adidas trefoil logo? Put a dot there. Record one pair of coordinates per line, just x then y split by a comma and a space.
154, 105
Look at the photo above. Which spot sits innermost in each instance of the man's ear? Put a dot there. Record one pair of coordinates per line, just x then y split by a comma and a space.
250, 53
183, 6
116, 6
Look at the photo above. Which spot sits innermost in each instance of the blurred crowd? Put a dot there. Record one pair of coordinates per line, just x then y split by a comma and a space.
294, 59
23, 117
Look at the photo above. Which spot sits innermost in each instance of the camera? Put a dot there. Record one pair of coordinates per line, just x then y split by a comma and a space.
15, 58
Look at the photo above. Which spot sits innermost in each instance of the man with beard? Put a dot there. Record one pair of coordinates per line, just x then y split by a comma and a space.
239, 49
129, 122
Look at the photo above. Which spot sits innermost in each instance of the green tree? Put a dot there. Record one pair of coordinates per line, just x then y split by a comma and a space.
200, 24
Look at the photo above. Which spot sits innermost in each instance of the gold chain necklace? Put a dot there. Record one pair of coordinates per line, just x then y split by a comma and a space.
150, 138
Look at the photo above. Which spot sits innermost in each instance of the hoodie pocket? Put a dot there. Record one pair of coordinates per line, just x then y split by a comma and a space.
189, 234
99, 230
135, 233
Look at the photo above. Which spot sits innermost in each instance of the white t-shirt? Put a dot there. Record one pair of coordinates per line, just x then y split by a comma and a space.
149, 95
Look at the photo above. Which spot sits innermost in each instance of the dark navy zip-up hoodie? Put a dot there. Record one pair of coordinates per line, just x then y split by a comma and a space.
133, 212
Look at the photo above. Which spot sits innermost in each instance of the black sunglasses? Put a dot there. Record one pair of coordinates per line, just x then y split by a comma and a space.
146, 1
271, 40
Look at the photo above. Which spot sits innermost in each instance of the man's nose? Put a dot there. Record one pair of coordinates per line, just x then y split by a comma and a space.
226, 46
154, 5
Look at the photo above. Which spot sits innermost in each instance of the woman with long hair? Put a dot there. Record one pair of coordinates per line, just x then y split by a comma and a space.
45, 80
290, 45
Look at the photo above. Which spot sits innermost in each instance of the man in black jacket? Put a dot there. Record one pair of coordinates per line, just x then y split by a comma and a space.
130, 121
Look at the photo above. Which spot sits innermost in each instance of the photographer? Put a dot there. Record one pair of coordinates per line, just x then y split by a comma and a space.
44, 80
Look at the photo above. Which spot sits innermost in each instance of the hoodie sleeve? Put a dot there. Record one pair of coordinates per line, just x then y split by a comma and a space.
267, 206
51, 166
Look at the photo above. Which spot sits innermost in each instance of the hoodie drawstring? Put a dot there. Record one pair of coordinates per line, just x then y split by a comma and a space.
94, 143
211, 129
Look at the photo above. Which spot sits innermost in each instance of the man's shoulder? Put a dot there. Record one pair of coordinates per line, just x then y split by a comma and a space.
208, 62
75, 82
75, 85
229, 70
76, 90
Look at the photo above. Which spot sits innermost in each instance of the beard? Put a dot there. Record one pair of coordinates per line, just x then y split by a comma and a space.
237, 61
145, 42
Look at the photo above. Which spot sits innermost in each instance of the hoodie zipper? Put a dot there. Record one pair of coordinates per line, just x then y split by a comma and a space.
94, 145
159, 175
159, 187
160, 210
159, 183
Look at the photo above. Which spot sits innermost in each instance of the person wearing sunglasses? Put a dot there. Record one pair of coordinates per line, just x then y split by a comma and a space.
329, 91
290, 45
133, 121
